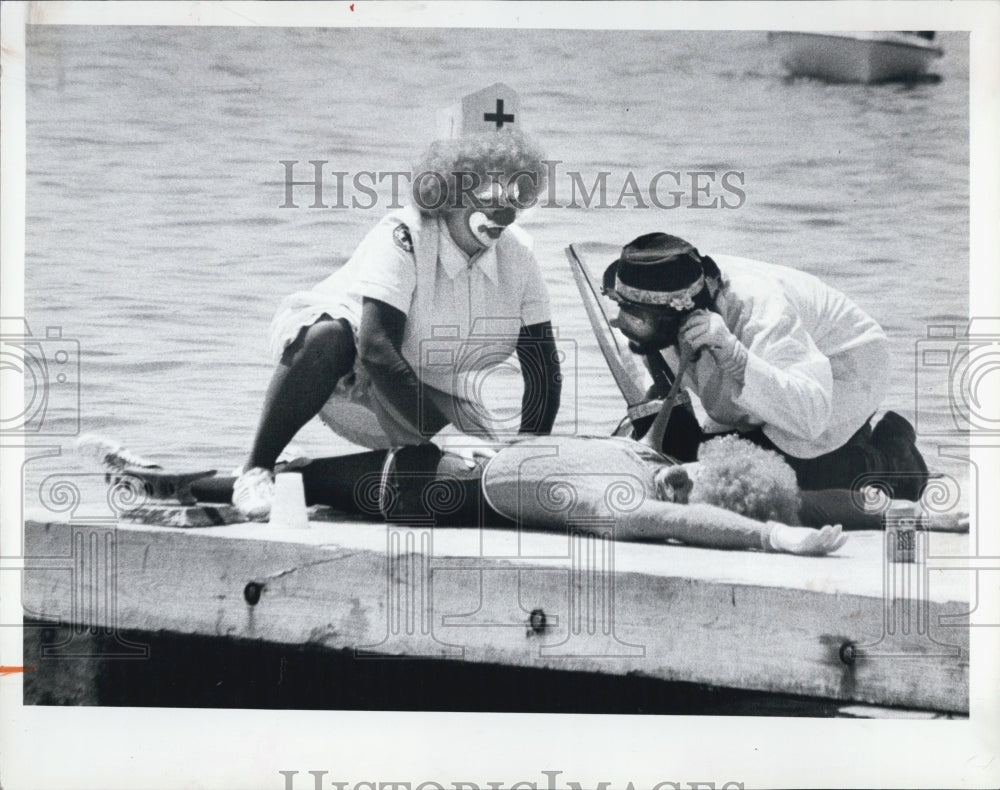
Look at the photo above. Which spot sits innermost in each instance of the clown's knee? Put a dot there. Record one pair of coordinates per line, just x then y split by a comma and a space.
325, 348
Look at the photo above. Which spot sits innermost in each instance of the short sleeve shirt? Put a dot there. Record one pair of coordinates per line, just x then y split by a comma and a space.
462, 317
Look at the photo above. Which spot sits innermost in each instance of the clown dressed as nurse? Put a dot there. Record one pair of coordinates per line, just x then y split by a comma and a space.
356, 349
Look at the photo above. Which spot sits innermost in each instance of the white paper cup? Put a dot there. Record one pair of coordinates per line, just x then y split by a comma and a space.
289, 506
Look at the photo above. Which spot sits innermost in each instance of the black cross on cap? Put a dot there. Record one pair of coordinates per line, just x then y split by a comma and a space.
499, 115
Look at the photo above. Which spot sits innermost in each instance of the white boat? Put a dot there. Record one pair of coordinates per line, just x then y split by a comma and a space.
882, 56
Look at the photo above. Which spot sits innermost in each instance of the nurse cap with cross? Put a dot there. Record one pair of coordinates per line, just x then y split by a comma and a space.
490, 109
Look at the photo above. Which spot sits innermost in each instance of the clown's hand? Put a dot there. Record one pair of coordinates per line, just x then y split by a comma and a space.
804, 541
705, 329
946, 522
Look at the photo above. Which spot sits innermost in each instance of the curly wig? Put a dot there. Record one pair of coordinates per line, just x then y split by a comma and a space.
737, 475
450, 169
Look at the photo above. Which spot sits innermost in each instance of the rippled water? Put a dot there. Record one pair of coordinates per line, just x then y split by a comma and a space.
155, 237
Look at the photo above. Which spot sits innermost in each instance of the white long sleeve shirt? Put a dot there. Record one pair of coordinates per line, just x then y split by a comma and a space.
817, 368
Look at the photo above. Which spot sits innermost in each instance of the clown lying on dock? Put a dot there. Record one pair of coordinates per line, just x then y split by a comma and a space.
737, 497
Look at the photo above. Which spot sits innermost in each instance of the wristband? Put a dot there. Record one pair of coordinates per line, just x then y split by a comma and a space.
767, 536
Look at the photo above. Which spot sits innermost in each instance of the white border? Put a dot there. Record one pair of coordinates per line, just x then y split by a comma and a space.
140, 748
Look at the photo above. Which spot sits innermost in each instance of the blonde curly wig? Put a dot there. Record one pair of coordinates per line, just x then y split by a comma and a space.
451, 168
738, 475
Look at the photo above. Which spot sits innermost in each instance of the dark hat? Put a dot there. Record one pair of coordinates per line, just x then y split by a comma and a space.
657, 270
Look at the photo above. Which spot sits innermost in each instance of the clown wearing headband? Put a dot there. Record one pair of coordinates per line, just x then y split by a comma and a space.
389, 349
772, 354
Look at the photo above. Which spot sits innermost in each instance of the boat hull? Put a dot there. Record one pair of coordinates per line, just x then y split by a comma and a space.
854, 57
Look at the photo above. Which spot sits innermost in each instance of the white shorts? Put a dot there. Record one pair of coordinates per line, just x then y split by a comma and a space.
356, 410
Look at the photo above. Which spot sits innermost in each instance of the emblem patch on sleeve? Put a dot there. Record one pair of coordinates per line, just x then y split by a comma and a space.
401, 235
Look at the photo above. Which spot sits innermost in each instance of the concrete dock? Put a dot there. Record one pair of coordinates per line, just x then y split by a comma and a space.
850, 629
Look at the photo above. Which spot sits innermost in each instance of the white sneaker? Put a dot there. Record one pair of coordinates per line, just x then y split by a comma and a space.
110, 454
253, 493
292, 453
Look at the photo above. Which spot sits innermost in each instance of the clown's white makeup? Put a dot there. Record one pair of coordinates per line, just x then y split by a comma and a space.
494, 215
676, 483
477, 227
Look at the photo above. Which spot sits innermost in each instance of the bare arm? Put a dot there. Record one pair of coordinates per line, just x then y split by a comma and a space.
712, 527
696, 525
381, 341
538, 355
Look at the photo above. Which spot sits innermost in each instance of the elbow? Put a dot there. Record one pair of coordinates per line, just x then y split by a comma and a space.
816, 419
798, 400
381, 334
375, 353
368, 351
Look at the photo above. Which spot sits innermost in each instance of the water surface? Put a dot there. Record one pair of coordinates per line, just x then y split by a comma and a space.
155, 237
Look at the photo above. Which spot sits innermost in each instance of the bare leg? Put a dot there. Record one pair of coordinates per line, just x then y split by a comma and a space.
303, 381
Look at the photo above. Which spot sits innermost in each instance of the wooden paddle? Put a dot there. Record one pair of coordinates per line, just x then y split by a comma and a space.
620, 361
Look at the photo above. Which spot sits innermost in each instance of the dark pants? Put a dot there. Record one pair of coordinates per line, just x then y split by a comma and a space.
850, 465
889, 459
420, 485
